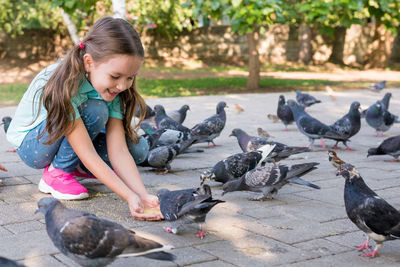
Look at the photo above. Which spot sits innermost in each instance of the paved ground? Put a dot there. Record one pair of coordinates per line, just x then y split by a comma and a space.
301, 227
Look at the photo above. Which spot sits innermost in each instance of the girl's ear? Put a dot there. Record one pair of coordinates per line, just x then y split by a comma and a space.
88, 62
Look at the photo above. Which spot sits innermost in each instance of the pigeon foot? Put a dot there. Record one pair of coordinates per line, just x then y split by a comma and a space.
3, 169
168, 229
349, 148
201, 234
372, 254
363, 246
394, 160
12, 150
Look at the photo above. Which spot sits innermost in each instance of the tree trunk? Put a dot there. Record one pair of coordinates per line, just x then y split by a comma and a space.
119, 9
395, 54
253, 81
305, 50
292, 44
338, 45
378, 52
73, 32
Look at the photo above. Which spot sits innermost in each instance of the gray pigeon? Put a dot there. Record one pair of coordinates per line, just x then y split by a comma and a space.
6, 122
252, 143
377, 87
269, 179
211, 127
93, 241
149, 112
187, 206
305, 99
162, 156
153, 138
386, 100
311, 127
232, 167
390, 146
180, 114
348, 125
284, 112
369, 212
379, 118
4, 262
163, 121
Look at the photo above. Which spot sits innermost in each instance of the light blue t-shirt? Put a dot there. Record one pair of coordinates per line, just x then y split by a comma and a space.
28, 108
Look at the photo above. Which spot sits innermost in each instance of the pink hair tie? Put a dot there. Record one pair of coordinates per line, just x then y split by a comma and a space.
81, 45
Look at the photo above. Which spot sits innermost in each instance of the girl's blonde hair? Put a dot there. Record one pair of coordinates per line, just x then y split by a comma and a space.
108, 36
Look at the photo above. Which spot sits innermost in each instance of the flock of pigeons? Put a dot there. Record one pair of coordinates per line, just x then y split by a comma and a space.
93, 241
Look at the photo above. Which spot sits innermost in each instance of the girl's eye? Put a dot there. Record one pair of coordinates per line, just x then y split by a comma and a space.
115, 77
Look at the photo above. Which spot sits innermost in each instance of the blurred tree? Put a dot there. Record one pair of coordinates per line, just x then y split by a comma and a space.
247, 17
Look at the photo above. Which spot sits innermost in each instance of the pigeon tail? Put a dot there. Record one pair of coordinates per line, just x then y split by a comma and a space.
298, 180
298, 170
156, 253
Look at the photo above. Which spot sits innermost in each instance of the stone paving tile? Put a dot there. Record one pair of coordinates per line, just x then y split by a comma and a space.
15, 181
254, 250
27, 245
322, 247
21, 212
42, 261
4, 231
213, 264
23, 227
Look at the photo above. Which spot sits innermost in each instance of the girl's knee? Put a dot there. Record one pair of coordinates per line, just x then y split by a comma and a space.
94, 113
139, 152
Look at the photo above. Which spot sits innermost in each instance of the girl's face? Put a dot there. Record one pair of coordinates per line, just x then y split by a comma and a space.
112, 76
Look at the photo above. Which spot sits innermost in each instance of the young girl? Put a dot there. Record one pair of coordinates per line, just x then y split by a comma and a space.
76, 115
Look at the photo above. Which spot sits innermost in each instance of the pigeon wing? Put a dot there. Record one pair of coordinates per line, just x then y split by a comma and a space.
263, 176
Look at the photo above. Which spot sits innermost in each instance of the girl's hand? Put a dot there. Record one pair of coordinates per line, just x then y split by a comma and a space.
136, 206
150, 201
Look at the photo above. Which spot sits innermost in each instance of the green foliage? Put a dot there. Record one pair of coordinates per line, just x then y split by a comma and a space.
166, 17
245, 15
17, 15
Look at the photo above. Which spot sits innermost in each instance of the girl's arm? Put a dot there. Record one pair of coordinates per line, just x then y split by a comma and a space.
123, 162
81, 143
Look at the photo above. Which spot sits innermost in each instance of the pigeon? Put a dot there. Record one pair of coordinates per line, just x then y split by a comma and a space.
284, 112
348, 125
187, 206
93, 241
273, 117
211, 127
180, 114
163, 121
305, 99
147, 127
269, 179
238, 108
152, 139
149, 112
232, 167
311, 127
162, 156
390, 146
369, 212
379, 118
334, 159
4, 262
263, 133
386, 100
6, 122
251, 143
377, 87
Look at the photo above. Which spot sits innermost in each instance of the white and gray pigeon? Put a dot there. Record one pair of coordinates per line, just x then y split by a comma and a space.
377, 87
93, 241
284, 112
385, 101
180, 114
149, 112
162, 156
349, 125
305, 99
232, 167
311, 127
252, 143
211, 128
163, 121
4, 262
389, 146
152, 139
379, 118
369, 212
185, 207
269, 179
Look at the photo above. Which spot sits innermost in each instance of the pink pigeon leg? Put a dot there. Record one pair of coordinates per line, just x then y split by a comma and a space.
202, 233
322, 143
363, 245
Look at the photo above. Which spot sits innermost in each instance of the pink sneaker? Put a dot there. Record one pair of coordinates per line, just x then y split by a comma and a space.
77, 173
61, 185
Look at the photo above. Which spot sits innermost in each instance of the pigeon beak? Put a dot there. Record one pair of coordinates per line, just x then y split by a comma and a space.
231, 135
202, 180
223, 193
36, 211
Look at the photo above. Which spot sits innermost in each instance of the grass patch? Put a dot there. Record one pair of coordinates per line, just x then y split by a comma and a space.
12, 94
